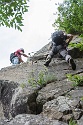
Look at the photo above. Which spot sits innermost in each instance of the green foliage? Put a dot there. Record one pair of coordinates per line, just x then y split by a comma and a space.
22, 85
72, 122
42, 79
11, 13
70, 16
77, 45
81, 98
77, 79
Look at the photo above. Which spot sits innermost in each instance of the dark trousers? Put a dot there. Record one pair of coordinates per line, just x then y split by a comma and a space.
58, 49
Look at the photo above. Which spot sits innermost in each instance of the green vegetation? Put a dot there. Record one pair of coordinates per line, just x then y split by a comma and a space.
72, 122
43, 78
11, 13
77, 45
77, 79
81, 98
70, 16
22, 85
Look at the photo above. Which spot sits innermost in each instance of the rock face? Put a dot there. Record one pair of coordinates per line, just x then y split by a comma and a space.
26, 100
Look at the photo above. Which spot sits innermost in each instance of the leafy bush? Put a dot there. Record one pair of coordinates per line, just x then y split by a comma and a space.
42, 79
72, 122
77, 79
70, 16
11, 13
77, 45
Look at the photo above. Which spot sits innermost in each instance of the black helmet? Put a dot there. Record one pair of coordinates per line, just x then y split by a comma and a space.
22, 50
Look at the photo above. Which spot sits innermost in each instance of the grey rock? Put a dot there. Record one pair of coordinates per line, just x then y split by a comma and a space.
51, 103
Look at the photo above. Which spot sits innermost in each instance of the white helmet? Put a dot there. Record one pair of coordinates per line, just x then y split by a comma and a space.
22, 50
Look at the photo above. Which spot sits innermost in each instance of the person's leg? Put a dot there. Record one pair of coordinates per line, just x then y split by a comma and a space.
50, 56
68, 58
15, 60
71, 62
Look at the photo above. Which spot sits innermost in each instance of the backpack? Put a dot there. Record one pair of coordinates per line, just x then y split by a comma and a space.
12, 55
57, 33
58, 37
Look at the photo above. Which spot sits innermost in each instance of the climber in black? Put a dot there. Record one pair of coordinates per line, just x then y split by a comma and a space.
59, 45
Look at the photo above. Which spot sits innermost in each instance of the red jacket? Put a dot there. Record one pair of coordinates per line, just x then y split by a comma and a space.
18, 53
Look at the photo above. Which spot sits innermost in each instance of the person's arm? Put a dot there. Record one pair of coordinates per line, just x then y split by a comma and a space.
23, 54
20, 59
69, 38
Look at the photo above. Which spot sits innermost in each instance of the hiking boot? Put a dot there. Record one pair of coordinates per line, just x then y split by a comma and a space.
72, 63
48, 60
46, 64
